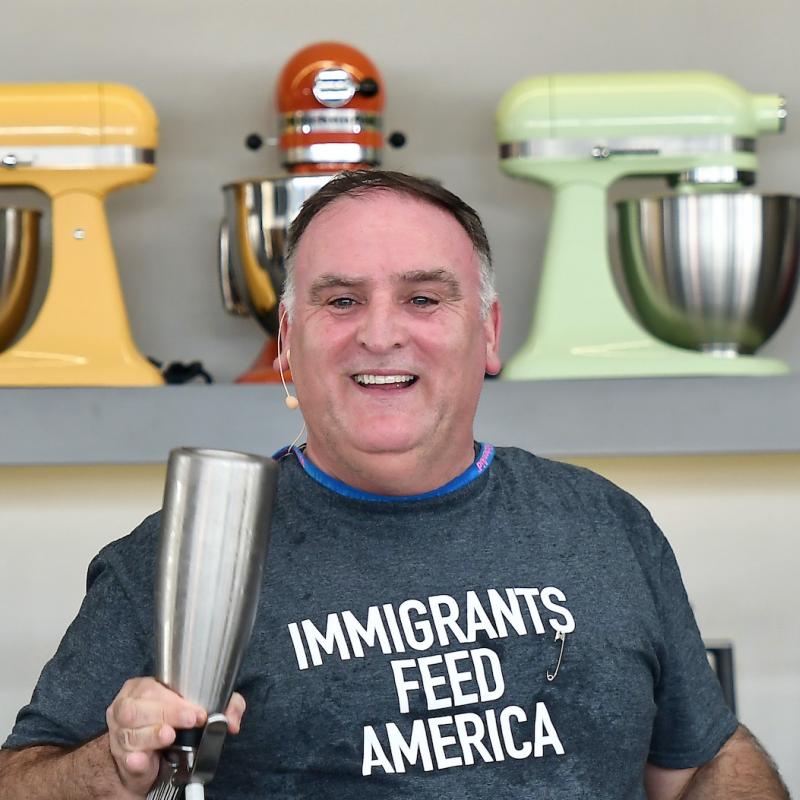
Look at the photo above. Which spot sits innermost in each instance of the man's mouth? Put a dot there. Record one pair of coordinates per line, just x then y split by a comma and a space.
387, 381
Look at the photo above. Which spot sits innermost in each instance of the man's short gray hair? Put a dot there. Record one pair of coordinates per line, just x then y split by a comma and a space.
357, 183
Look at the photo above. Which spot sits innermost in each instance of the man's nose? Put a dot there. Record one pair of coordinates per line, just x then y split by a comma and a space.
382, 327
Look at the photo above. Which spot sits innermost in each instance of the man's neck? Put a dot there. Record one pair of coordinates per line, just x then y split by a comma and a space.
394, 474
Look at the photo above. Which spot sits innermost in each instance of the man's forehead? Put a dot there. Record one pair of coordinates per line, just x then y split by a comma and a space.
399, 232
371, 197
441, 275
385, 206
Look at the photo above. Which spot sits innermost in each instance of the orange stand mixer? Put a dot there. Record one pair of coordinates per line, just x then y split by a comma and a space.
76, 143
330, 98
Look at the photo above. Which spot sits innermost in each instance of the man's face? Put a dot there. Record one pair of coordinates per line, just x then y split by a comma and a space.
388, 348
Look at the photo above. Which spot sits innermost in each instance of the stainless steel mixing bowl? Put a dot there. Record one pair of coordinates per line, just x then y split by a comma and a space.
19, 251
714, 272
253, 241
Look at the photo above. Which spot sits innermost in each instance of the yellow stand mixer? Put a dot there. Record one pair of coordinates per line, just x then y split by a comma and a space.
76, 143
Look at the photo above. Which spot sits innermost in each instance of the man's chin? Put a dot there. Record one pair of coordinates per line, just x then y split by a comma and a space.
389, 445
392, 437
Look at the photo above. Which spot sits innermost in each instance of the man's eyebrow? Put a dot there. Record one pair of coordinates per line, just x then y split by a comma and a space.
443, 276
332, 281
438, 275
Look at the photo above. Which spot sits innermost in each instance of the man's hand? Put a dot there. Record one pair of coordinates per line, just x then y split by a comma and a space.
741, 769
122, 764
144, 719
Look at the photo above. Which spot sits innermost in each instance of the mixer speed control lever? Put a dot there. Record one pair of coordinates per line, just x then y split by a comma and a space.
602, 151
10, 160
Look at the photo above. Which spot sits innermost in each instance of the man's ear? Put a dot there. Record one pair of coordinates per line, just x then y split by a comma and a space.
493, 326
281, 363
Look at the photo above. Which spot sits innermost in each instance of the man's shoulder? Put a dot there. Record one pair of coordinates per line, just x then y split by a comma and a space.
560, 474
574, 487
133, 555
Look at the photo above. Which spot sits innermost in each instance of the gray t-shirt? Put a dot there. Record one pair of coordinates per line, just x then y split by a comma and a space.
404, 647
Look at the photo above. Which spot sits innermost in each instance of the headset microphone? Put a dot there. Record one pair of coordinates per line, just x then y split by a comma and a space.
290, 401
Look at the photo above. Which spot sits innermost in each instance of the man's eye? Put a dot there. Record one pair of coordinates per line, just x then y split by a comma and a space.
342, 302
422, 301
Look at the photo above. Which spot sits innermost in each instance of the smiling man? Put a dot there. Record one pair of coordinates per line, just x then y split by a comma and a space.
392, 325
439, 618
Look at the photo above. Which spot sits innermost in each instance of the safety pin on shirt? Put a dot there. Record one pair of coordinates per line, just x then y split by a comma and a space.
560, 635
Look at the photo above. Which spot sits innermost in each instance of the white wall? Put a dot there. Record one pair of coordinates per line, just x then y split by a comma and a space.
731, 520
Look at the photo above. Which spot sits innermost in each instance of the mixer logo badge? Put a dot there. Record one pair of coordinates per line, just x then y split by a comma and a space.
449, 680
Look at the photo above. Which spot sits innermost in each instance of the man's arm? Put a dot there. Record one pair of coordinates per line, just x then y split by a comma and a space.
741, 770
121, 764
85, 773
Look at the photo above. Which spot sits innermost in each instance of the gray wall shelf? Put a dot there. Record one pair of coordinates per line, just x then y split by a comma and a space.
553, 418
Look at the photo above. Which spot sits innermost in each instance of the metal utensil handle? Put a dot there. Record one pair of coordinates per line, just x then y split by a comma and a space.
197, 765
206, 759
165, 790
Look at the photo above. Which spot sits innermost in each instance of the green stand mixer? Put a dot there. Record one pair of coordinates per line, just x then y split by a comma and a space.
709, 267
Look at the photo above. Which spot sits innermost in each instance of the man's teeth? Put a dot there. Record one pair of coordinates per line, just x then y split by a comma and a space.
365, 380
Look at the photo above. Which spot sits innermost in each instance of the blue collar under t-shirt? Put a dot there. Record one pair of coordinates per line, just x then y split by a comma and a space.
483, 459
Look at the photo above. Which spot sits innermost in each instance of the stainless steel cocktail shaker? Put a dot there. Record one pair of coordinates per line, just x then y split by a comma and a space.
214, 534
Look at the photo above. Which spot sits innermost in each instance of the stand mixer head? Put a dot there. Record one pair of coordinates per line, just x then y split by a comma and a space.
579, 134
330, 98
76, 143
